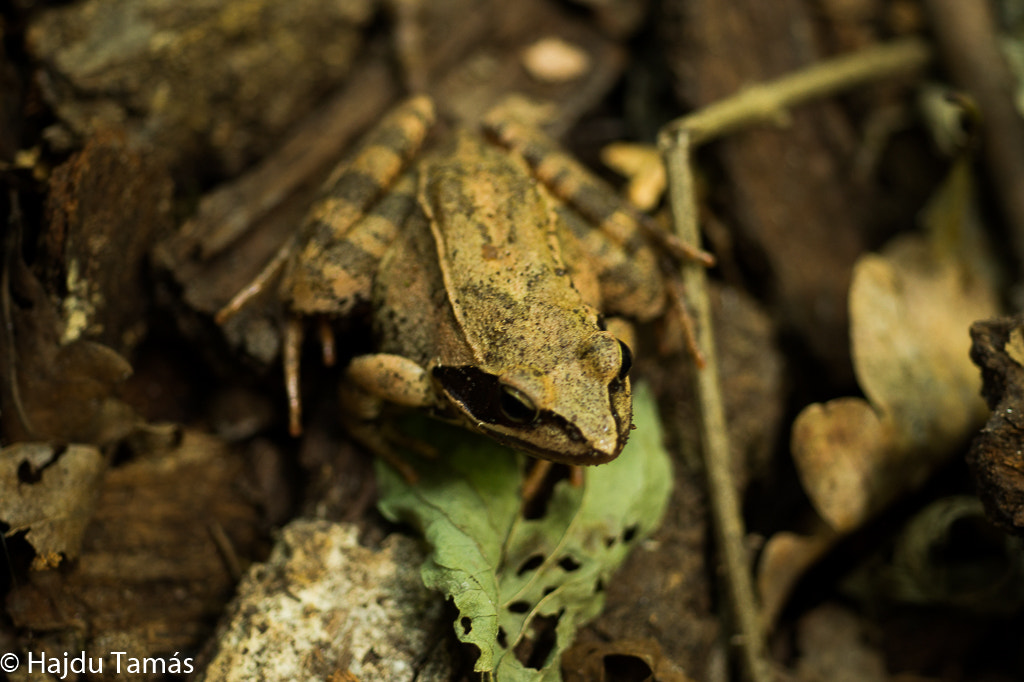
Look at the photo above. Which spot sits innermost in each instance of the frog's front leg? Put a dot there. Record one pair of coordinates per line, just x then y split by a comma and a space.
371, 383
379, 378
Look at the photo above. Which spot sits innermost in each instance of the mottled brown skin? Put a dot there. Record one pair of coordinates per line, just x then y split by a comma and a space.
487, 291
507, 323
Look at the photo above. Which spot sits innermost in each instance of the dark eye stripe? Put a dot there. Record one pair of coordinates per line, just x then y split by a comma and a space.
486, 398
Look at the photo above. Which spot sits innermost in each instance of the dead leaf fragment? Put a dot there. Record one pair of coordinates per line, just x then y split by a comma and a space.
784, 560
910, 309
618, 660
1015, 347
996, 457
947, 554
553, 60
194, 78
54, 391
643, 166
156, 559
105, 207
910, 343
49, 495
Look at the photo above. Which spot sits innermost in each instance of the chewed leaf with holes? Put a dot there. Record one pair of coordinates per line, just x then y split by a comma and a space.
463, 504
523, 586
49, 495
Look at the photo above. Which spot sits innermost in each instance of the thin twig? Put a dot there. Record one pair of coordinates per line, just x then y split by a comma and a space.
226, 548
770, 102
230, 211
766, 102
12, 252
721, 486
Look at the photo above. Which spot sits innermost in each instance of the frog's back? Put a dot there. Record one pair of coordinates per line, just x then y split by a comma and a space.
498, 248
542, 375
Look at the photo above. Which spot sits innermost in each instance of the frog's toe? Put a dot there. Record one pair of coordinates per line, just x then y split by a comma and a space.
391, 445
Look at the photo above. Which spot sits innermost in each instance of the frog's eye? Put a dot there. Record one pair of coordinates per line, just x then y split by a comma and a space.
627, 360
516, 405
486, 397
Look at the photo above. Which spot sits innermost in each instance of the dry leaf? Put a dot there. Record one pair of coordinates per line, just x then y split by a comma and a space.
784, 560
643, 166
167, 534
65, 392
624, 659
995, 457
910, 308
49, 495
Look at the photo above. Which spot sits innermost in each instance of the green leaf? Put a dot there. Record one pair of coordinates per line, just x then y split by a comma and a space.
463, 504
507, 574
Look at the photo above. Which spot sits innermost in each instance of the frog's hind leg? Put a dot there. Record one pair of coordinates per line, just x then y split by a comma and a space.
577, 186
345, 239
333, 270
318, 280
352, 188
354, 262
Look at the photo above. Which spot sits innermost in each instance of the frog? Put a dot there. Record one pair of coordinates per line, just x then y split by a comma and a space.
497, 271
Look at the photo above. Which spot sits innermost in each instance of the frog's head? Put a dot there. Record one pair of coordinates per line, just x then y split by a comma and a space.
577, 410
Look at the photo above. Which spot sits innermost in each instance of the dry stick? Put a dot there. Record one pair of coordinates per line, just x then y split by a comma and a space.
767, 102
228, 212
721, 487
